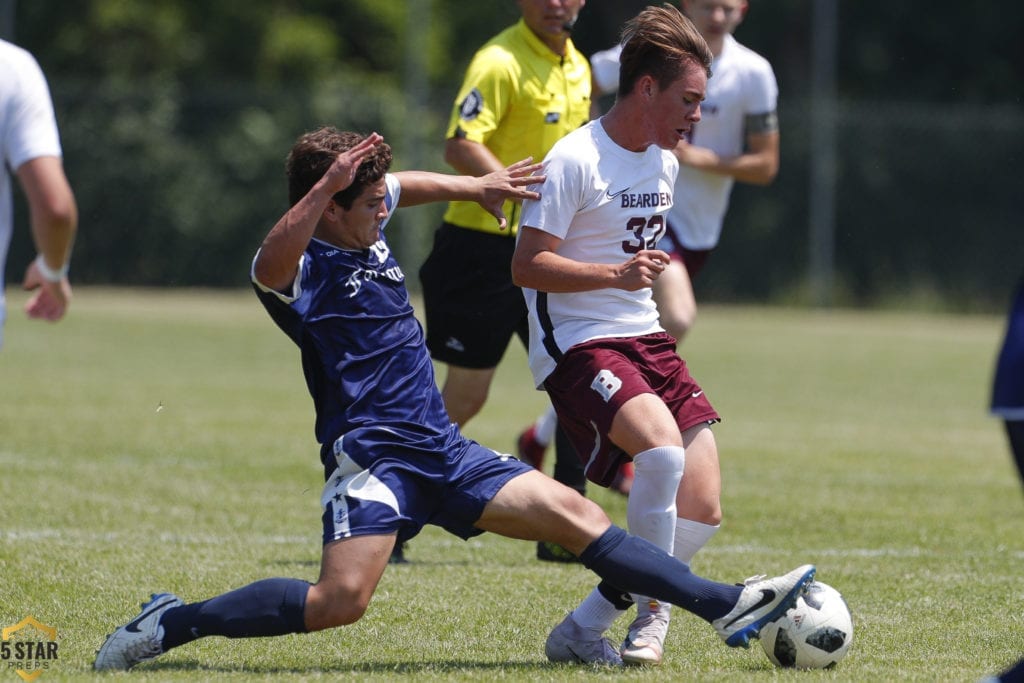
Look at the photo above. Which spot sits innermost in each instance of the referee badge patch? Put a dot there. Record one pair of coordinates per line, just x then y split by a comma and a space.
552, 117
471, 105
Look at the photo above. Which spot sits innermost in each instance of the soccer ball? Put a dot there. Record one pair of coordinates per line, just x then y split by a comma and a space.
815, 634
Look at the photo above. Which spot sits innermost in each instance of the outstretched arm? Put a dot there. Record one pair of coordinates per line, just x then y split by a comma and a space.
278, 259
490, 191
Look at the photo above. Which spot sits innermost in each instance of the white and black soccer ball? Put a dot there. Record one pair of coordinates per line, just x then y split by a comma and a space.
815, 634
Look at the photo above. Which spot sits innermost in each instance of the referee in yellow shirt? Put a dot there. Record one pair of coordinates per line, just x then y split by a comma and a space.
524, 90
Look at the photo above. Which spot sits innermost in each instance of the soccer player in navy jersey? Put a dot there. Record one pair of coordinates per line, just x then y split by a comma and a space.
1008, 384
1008, 404
393, 459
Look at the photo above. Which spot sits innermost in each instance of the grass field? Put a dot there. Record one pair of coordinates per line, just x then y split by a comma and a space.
160, 440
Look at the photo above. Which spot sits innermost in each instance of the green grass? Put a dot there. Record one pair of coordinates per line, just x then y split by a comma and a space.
161, 440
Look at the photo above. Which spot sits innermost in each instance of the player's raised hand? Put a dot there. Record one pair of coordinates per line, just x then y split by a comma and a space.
343, 171
642, 269
509, 183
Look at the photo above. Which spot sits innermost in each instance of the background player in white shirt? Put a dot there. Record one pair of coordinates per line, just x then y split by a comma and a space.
30, 145
586, 259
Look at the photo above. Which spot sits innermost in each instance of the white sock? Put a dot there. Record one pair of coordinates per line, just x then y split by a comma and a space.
651, 510
596, 613
657, 470
545, 426
690, 537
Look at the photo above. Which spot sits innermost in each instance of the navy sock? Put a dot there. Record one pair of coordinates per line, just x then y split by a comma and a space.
638, 566
620, 598
271, 607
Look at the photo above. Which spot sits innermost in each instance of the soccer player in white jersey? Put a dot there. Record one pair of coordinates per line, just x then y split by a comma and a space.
586, 260
737, 139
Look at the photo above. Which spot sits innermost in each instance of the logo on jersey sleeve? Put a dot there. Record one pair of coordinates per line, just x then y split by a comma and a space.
606, 384
471, 105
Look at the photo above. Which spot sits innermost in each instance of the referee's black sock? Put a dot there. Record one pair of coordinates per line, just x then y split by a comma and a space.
568, 466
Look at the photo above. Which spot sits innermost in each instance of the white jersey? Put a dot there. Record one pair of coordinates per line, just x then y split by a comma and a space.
604, 66
605, 203
742, 84
28, 130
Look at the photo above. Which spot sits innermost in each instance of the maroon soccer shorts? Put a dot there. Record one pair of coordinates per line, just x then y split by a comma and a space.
594, 379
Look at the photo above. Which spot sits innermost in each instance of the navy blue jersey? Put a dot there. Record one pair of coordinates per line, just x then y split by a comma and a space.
1008, 386
363, 355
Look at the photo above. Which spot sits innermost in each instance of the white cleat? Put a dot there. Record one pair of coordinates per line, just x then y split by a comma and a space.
762, 602
645, 641
570, 642
138, 640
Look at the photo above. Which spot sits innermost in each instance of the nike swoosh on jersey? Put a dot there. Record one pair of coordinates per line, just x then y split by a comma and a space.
767, 595
613, 195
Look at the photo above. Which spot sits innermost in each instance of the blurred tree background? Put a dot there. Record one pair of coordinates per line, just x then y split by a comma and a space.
176, 116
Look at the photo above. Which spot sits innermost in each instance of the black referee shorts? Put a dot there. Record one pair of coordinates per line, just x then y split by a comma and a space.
472, 308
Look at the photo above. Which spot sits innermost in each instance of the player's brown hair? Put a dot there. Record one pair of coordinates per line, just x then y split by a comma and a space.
659, 42
315, 151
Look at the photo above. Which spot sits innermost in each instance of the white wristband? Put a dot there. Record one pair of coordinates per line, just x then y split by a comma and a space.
48, 273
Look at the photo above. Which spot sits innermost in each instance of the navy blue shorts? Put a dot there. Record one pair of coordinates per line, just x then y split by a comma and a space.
470, 304
411, 481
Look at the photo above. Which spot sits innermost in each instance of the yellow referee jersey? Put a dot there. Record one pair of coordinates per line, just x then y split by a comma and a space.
518, 99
